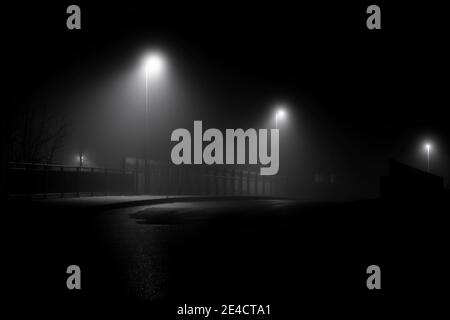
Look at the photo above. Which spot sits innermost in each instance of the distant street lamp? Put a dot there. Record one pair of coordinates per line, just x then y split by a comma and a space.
428, 148
279, 114
81, 159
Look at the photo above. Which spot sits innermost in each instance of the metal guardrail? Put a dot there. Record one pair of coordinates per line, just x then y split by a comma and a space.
51, 180
44, 180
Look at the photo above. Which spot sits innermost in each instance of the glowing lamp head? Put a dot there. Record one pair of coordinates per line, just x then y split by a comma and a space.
280, 113
154, 64
428, 146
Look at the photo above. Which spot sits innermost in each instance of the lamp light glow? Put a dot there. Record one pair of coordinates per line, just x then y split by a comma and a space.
154, 64
428, 148
279, 114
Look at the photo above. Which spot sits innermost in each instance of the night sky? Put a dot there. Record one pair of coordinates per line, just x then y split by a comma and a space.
354, 97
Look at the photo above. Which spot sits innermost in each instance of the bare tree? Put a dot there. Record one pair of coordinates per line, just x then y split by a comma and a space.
36, 135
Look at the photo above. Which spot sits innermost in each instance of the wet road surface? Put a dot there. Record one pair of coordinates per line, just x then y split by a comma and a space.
229, 251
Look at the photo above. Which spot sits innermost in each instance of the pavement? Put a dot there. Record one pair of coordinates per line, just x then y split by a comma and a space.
172, 250
227, 249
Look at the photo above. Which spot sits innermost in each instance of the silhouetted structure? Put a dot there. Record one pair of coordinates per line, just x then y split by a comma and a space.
405, 182
201, 180
42, 180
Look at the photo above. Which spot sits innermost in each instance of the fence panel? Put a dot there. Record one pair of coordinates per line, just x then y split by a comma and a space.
56, 180
138, 177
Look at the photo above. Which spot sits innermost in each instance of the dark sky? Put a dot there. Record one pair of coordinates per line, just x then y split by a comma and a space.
355, 97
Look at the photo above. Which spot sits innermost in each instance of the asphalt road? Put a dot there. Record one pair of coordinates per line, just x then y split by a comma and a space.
193, 248
234, 249
240, 251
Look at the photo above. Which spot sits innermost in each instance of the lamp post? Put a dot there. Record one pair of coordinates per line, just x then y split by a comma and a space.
154, 65
279, 114
428, 147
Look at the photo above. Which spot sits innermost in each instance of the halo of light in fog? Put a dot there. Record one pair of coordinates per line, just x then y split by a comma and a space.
154, 64
281, 113
80, 159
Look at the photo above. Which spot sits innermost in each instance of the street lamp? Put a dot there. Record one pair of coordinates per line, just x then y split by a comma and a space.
81, 159
428, 148
155, 65
279, 114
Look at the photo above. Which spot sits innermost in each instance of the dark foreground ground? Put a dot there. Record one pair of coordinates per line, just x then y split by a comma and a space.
295, 256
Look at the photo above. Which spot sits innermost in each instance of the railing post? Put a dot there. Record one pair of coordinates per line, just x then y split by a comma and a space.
92, 184
271, 185
242, 183
122, 178
191, 174
161, 176
63, 182
263, 182
106, 181
224, 182
169, 176
147, 176
45, 180
256, 184
203, 183
136, 177
211, 182
217, 179
28, 175
179, 180
233, 188
247, 178
78, 181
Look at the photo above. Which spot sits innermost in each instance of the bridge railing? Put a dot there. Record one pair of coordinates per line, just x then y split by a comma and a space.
153, 177
44, 180
49, 180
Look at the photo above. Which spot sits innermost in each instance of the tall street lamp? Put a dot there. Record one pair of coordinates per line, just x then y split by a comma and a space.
155, 65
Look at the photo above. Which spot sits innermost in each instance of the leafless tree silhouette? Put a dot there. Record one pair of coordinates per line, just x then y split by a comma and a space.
36, 135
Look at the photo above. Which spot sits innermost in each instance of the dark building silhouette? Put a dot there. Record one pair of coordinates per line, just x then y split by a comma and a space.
405, 182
